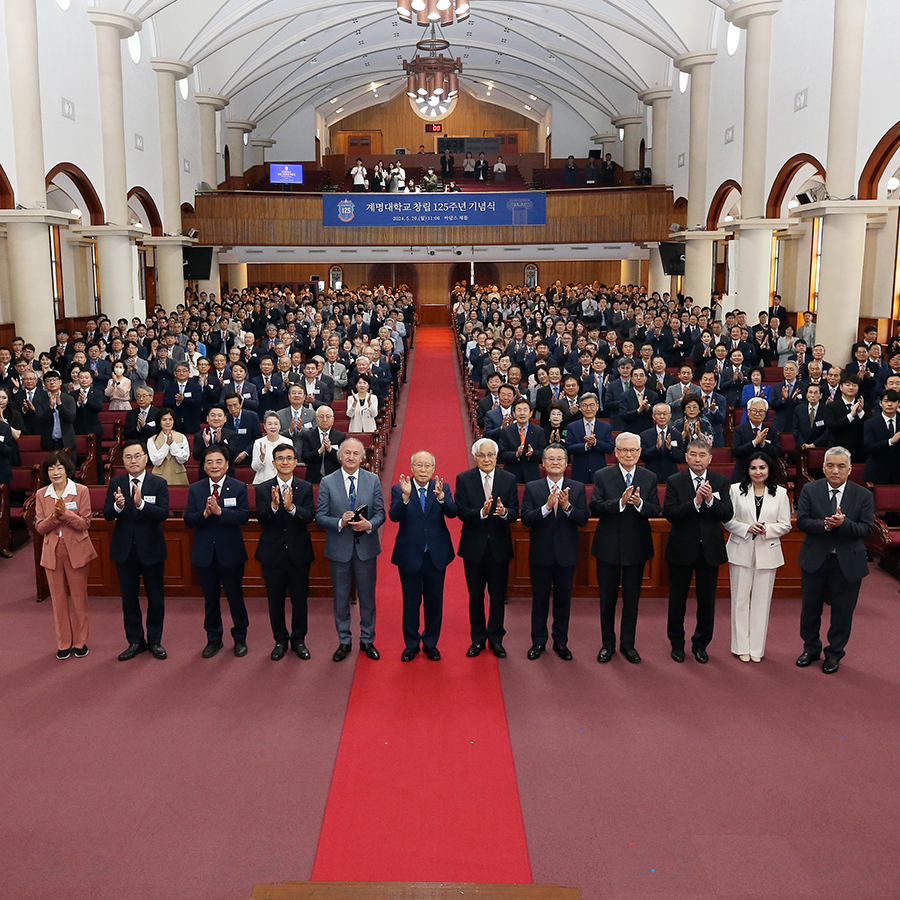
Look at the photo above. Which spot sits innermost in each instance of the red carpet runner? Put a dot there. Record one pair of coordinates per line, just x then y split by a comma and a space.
424, 787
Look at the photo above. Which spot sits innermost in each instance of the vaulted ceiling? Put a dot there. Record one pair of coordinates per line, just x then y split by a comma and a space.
274, 57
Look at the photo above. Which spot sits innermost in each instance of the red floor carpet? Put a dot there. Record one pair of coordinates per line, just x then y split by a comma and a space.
424, 788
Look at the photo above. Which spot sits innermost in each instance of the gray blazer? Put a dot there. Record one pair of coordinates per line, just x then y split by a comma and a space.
333, 502
286, 415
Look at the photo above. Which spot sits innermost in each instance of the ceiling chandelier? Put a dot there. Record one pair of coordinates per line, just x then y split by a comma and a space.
433, 12
432, 79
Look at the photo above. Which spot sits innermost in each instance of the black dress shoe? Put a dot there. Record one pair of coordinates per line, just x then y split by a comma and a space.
604, 656
432, 653
301, 650
562, 651
341, 652
211, 649
409, 654
632, 655
278, 652
806, 659
700, 655
831, 665
131, 651
240, 648
370, 651
157, 651
498, 650
535, 651
677, 655
475, 649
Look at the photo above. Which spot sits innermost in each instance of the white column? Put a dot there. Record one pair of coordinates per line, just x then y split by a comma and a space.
659, 281
237, 128
115, 258
631, 125
260, 145
209, 105
630, 271
169, 265
237, 276
658, 100
212, 285
698, 256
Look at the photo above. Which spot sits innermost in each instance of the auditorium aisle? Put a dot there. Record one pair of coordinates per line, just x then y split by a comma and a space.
424, 788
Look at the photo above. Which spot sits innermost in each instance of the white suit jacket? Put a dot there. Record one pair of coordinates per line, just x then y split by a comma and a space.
776, 513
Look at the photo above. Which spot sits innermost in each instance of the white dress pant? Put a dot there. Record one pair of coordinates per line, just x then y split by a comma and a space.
751, 597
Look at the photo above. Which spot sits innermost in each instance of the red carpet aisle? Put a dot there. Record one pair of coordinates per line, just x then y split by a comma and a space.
424, 787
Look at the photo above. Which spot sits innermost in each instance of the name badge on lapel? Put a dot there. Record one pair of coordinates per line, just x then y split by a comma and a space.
150, 424
71, 504
230, 501
150, 499
242, 430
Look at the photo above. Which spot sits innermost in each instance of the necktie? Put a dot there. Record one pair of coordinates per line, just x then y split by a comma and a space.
698, 481
890, 428
812, 416
628, 477
555, 490
237, 423
756, 431
353, 492
215, 493
134, 490
555, 392
834, 503
522, 430
588, 428
488, 487
422, 498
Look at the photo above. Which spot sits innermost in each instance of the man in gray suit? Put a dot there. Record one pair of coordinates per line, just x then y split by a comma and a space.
296, 416
351, 543
836, 516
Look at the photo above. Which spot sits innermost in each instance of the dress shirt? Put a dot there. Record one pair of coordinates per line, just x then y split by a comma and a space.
625, 474
347, 476
219, 484
282, 487
702, 478
140, 484
891, 423
557, 486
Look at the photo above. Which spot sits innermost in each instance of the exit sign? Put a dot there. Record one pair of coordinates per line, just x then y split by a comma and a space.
433, 128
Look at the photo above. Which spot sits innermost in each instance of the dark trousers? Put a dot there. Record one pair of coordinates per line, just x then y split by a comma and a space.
544, 579
487, 573
424, 588
282, 579
830, 580
212, 581
130, 573
679, 585
608, 578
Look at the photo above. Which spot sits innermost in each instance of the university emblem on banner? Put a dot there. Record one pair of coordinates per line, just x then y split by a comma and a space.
346, 210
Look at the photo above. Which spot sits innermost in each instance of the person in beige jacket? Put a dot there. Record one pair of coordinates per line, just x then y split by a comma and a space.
762, 514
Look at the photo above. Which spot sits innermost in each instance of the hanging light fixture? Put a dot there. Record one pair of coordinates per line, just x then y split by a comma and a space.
404, 10
435, 76
432, 12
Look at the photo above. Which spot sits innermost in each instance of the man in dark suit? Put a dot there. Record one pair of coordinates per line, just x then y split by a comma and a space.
588, 440
881, 434
753, 434
138, 502
553, 509
29, 398
270, 387
318, 391
662, 447
522, 444
184, 397
215, 432
787, 395
836, 516
624, 500
502, 416
636, 405
320, 446
221, 340
422, 551
714, 406
809, 420
245, 424
845, 418
490, 400
734, 376
101, 370
487, 503
284, 508
88, 405
217, 507
55, 415
697, 503
140, 422
777, 310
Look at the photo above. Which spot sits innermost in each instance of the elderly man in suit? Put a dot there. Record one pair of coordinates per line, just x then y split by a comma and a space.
138, 502
588, 440
56, 415
836, 516
753, 434
881, 434
217, 508
662, 447
697, 503
140, 422
184, 397
245, 424
351, 510
809, 427
522, 444
487, 503
319, 446
624, 500
284, 508
422, 551
553, 509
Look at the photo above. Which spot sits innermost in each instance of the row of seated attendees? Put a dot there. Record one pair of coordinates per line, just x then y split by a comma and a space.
399, 178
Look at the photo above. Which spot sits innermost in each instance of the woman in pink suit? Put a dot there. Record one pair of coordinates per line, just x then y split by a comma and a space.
63, 517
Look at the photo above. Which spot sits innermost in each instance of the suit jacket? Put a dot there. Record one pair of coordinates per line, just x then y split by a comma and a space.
633, 420
775, 512
187, 414
246, 432
814, 506
660, 461
273, 399
422, 531
493, 423
623, 538
783, 410
220, 535
803, 432
588, 460
542, 401
485, 405
101, 371
675, 392
695, 530
130, 428
333, 503
554, 538
66, 420
492, 534
882, 459
74, 524
8, 452
843, 431
732, 382
247, 390
310, 444
87, 417
285, 536
525, 468
138, 528
227, 436
742, 445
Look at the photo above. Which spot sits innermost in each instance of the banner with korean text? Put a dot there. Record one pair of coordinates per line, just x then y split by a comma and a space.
494, 208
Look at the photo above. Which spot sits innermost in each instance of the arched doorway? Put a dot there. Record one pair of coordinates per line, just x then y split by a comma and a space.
395, 274
877, 164
485, 273
794, 174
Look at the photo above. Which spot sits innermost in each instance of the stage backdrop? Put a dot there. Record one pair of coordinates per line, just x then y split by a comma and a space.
494, 208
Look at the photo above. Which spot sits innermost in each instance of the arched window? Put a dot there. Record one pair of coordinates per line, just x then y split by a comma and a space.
335, 278
531, 275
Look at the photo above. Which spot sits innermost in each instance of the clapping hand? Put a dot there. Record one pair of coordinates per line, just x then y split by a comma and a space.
760, 439
405, 487
564, 500
439, 489
835, 520
119, 498
499, 509
59, 507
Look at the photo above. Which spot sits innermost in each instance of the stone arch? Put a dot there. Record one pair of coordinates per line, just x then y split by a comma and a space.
82, 183
877, 163
151, 211
719, 202
794, 167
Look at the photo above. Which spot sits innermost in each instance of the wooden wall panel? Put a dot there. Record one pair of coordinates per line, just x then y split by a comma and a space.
401, 127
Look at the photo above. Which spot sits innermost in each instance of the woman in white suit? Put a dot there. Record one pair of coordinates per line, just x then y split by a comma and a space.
762, 514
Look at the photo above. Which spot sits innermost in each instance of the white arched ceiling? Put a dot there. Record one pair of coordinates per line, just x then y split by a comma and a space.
275, 57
